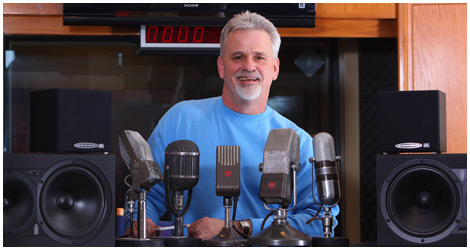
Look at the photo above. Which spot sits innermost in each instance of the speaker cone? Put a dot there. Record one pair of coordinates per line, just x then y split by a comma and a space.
73, 202
18, 202
422, 201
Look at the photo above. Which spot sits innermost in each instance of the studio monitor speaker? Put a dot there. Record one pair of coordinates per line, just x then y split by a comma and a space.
70, 120
58, 200
422, 200
412, 121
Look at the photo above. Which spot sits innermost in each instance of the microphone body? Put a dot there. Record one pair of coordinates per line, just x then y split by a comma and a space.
182, 165
137, 155
181, 173
228, 171
326, 170
280, 153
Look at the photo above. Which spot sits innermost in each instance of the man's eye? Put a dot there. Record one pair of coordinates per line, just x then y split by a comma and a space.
237, 58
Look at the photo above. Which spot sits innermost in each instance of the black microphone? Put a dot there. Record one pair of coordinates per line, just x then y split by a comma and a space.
182, 162
326, 170
280, 152
137, 155
181, 173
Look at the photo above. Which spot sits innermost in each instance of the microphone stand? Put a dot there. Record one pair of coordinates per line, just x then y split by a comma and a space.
176, 205
227, 237
136, 194
280, 233
327, 219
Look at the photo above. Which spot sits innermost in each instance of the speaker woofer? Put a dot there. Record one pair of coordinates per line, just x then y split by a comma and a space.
421, 201
73, 203
18, 202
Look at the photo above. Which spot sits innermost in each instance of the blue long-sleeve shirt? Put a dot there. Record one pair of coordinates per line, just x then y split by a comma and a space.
209, 123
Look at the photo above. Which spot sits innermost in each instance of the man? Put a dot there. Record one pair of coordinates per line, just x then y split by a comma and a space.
248, 63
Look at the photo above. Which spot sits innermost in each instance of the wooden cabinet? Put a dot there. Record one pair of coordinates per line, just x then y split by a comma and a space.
333, 20
432, 42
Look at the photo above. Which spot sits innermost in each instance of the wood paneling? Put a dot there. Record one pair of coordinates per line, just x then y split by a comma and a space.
52, 25
32, 9
433, 55
350, 28
356, 10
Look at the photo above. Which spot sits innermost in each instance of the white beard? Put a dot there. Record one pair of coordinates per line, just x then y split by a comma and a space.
248, 92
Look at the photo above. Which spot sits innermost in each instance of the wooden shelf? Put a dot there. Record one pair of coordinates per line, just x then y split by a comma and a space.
333, 20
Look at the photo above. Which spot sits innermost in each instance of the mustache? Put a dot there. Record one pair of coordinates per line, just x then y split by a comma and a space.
254, 74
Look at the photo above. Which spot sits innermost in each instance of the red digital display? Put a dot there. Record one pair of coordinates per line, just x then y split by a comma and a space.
182, 34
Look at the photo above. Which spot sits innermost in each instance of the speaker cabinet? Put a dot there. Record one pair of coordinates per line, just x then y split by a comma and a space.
58, 200
412, 121
70, 120
422, 200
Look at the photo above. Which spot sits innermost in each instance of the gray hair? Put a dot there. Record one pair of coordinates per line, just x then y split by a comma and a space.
250, 21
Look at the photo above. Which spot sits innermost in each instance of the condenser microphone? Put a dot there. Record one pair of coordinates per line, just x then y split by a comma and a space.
280, 153
326, 170
228, 171
137, 155
227, 185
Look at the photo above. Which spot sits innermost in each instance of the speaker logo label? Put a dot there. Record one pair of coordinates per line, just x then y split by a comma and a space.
409, 145
86, 145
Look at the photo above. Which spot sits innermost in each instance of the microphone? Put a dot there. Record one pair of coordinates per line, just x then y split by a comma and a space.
145, 173
228, 186
228, 171
280, 153
325, 171
278, 182
182, 164
181, 173
137, 155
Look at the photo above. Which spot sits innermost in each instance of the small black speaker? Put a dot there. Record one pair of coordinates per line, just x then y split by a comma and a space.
422, 200
70, 120
412, 121
58, 200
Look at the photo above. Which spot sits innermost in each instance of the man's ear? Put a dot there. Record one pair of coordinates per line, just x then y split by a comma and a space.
276, 68
220, 67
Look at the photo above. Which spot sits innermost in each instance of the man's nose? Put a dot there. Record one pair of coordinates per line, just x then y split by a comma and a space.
249, 65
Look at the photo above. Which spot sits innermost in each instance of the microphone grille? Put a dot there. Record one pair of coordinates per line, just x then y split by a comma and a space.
182, 159
182, 146
282, 148
324, 147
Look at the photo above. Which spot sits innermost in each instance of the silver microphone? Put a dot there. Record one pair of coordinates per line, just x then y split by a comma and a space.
326, 170
280, 153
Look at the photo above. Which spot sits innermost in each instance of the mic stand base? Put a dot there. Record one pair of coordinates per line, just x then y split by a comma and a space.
182, 241
280, 235
226, 238
134, 242
330, 242
172, 241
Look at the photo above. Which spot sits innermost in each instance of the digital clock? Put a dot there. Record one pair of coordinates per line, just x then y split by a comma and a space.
155, 37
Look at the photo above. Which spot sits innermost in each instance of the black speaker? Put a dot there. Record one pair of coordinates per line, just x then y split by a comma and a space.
58, 200
422, 200
70, 120
412, 121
